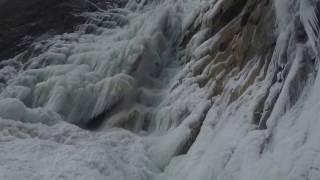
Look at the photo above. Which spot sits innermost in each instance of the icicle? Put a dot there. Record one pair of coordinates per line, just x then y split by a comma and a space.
309, 17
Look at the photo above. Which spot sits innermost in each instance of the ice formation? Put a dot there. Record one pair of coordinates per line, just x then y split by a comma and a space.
168, 90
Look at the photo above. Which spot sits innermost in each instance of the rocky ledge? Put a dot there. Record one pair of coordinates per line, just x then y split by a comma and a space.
23, 22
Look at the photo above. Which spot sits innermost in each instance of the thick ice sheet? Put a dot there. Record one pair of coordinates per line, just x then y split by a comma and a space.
64, 151
120, 62
199, 113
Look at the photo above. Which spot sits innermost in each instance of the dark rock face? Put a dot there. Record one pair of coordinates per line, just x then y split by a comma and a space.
24, 21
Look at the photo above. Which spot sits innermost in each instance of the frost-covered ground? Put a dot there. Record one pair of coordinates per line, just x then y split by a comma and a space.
168, 89
63, 151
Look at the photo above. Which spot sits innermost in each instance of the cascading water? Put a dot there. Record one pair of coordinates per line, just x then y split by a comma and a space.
168, 89
112, 72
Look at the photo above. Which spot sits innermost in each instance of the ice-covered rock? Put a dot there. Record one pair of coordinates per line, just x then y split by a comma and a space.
170, 90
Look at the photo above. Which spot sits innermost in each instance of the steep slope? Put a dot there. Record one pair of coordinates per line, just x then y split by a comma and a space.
177, 90
260, 73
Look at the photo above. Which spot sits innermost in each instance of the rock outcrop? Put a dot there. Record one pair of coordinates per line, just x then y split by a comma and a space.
23, 22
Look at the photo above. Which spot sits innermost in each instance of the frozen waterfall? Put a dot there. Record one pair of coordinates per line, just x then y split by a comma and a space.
168, 90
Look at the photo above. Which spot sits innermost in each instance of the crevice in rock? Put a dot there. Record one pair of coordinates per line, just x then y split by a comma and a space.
245, 18
96, 122
195, 131
233, 11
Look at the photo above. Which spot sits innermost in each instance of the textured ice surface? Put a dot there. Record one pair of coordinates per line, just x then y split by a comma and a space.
64, 151
116, 67
171, 90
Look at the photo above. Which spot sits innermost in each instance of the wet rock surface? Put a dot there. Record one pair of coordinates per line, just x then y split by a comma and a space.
23, 22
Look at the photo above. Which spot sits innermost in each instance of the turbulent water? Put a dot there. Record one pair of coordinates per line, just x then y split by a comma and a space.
168, 90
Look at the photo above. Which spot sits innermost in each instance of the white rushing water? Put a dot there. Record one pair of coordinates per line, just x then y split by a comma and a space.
127, 98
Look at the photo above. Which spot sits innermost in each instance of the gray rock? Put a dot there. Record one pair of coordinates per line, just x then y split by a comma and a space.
22, 21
